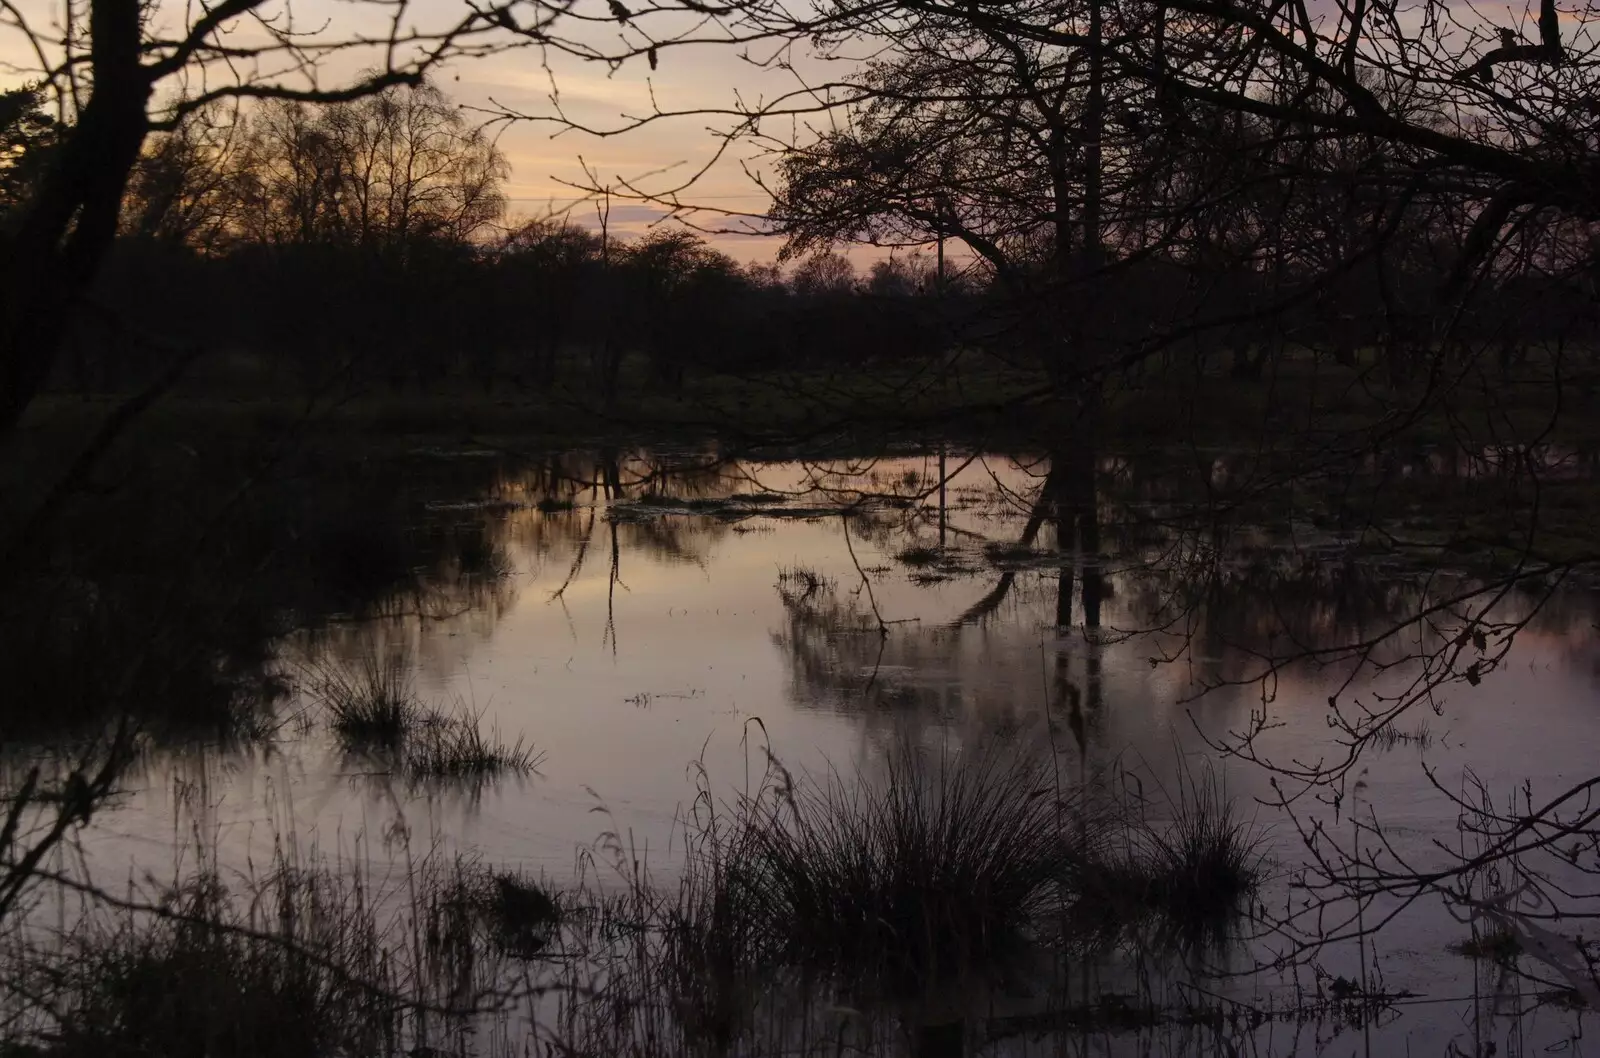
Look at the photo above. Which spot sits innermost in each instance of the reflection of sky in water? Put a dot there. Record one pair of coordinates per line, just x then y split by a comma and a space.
675, 649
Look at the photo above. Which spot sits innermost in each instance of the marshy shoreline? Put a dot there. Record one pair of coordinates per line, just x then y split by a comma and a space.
939, 877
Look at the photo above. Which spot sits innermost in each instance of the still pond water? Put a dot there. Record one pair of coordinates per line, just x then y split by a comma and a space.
656, 608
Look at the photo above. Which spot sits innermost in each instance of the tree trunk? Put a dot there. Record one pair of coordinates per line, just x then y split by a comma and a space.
1086, 508
71, 220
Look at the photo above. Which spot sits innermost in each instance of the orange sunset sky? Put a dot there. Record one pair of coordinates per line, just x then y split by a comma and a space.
545, 160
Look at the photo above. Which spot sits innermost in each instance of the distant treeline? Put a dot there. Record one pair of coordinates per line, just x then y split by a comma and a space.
298, 243
545, 301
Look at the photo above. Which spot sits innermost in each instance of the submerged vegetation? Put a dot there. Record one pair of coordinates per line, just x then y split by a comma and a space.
520, 916
1389, 736
918, 555
806, 578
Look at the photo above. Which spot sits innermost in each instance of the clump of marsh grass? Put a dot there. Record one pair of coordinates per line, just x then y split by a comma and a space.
1206, 862
1389, 736
454, 746
479, 558
807, 579
373, 710
1182, 882
1002, 553
1497, 944
931, 867
918, 555
934, 867
877, 883
936, 864
524, 912
372, 704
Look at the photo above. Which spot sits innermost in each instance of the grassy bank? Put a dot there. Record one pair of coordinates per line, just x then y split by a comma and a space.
965, 395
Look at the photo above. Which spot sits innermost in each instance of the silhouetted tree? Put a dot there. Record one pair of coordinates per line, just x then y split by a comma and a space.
824, 275
550, 271
381, 174
191, 185
672, 281
900, 277
27, 135
106, 66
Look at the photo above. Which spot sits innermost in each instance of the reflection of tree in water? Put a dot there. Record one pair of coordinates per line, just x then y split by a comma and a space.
1136, 558
566, 508
1566, 625
842, 653
840, 659
455, 587
1179, 554
562, 500
192, 654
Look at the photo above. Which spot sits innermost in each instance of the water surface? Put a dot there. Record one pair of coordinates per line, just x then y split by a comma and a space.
644, 611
